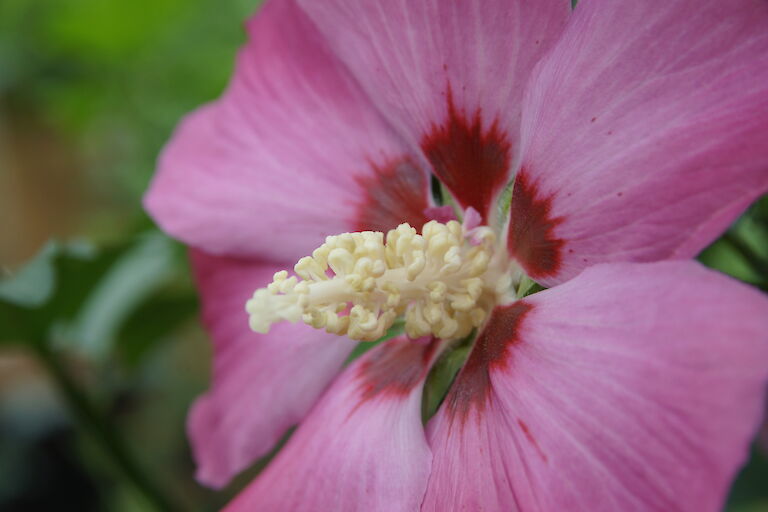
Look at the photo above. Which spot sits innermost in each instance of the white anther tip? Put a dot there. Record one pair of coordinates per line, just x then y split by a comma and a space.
259, 325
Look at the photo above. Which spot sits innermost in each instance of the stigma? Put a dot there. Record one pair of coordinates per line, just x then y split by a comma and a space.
442, 282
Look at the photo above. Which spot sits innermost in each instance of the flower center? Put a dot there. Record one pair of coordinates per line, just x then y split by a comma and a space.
443, 282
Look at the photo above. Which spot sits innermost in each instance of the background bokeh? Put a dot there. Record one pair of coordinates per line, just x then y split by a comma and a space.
101, 353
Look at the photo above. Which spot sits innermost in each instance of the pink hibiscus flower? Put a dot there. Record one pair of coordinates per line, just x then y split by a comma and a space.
631, 132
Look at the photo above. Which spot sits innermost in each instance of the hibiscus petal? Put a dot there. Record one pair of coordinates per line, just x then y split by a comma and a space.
291, 153
633, 387
449, 75
644, 134
362, 447
262, 384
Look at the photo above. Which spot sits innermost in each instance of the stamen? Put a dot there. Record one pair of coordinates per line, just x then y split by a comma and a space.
443, 281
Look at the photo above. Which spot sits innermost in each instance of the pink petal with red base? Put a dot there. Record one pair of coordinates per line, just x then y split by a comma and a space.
644, 133
291, 153
633, 387
448, 75
262, 384
363, 445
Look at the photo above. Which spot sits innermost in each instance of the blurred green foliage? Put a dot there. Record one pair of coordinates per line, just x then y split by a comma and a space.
116, 315
743, 251
118, 75
97, 301
112, 320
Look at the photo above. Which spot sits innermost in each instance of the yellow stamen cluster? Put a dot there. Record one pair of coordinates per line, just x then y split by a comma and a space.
356, 284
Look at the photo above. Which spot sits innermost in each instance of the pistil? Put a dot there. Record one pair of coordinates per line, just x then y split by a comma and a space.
443, 281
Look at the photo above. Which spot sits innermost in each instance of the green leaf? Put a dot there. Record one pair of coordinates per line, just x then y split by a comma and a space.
528, 287
153, 321
723, 256
742, 251
26, 295
13, 322
749, 487
504, 204
34, 284
442, 374
132, 277
75, 295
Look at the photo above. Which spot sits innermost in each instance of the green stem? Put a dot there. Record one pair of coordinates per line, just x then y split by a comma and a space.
100, 428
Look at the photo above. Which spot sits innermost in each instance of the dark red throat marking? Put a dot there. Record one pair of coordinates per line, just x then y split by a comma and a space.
395, 368
473, 163
472, 388
531, 229
397, 192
